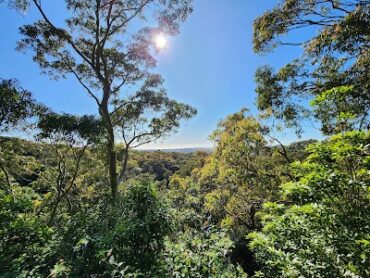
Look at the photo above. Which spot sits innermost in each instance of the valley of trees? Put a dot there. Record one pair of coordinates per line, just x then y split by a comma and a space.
77, 199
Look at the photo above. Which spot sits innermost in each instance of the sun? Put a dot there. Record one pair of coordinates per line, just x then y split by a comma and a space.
160, 41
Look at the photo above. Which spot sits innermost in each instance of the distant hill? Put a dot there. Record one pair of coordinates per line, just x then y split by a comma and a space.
296, 149
181, 150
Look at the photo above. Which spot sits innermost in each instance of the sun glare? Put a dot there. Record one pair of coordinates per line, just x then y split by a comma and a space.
160, 41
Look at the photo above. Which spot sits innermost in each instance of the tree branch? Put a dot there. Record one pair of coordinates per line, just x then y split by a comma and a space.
63, 35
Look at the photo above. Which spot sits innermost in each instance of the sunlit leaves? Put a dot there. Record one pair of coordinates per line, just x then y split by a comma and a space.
194, 255
321, 228
337, 57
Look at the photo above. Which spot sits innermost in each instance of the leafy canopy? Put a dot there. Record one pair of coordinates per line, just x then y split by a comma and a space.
16, 104
337, 56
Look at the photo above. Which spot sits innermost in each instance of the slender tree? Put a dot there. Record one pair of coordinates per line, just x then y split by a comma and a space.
101, 46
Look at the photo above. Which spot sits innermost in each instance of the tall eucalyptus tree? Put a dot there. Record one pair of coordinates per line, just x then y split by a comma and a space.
107, 45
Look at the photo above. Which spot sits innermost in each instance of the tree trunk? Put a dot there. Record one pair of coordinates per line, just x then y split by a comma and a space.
112, 157
54, 210
111, 152
124, 165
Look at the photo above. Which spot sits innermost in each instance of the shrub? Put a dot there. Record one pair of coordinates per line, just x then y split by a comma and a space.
322, 228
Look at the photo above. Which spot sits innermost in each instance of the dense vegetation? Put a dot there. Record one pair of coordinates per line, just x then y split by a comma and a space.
77, 199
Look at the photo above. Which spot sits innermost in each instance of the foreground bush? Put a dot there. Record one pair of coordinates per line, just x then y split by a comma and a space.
25, 241
97, 240
195, 254
322, 229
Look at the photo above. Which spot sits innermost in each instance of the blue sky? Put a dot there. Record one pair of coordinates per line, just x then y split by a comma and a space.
210, 65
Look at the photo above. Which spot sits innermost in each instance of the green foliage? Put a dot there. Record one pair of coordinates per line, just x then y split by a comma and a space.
322, 227
186, 197
118, 241
241, 173
197, 161
69, 127
321, 219
87, 237
16, 104
142, 228
335, 58
25, 241
194, 254
334, 109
